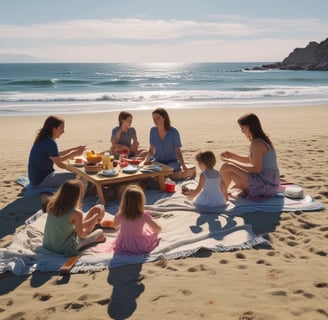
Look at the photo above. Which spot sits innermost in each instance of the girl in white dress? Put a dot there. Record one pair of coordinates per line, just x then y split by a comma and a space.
208, 191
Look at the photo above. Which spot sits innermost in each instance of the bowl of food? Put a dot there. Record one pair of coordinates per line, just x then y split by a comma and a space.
123, 164
106, 223
134, 161
94, 158
90, 167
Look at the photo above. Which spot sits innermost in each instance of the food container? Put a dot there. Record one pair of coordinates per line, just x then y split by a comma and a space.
123, 164
134, 161
94, 158
78, 160
92, 168
106, 223
169, 186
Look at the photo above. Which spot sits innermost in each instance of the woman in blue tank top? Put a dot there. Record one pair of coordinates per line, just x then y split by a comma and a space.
257, 174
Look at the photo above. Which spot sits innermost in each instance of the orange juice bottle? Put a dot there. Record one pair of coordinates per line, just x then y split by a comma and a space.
105, 161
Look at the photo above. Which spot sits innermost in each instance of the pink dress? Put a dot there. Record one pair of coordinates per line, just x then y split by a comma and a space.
135, 236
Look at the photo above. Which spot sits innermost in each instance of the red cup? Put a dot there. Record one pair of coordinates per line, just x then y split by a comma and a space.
169, 187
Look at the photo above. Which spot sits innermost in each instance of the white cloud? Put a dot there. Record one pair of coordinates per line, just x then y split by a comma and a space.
138, 40
188, 51
128, 29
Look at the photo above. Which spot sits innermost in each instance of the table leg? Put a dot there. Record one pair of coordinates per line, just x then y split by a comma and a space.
100, 193
161, 181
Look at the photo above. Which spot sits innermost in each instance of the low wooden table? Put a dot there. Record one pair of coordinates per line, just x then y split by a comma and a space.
100, 181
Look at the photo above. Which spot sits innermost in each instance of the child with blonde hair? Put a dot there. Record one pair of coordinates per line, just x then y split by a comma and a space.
67, 230
138, 231
208, 191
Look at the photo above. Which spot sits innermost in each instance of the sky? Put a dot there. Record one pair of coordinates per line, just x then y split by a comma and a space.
158, 31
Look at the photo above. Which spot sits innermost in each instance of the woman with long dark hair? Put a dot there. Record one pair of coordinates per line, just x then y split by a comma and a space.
257, 174
44, 155
165, 143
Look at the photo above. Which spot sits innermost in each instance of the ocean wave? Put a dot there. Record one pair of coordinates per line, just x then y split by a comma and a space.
36, 82
114, 82
238, 93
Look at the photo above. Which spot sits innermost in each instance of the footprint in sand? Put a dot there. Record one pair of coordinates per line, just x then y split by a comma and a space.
240, 255
42, 296
324, 193
18, 315
279, 293
201, 267
321, 284
241, 267
74, 306
224, 261
248, 315
103, 302
292, 243
262, 261
305, 294
289, 256
186, 292
274, 274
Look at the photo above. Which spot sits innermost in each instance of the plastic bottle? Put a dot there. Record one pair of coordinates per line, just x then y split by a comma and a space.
106, 161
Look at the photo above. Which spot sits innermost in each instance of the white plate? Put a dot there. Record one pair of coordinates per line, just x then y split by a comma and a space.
108, 173
77, 164
152, 167
130, 169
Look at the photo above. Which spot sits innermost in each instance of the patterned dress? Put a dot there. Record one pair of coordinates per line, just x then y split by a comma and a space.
265, 184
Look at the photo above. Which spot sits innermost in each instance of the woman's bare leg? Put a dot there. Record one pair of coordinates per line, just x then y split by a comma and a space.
229, 172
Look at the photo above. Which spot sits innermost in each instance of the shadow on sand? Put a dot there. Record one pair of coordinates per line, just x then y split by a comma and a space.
16, 212
127, 287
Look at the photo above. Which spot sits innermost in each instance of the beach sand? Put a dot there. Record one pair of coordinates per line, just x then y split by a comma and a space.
289, 281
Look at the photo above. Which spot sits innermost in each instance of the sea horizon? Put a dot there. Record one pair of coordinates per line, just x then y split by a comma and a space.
71, 88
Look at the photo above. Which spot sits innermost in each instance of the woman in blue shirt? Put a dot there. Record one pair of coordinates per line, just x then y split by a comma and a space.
165, 143
44, 154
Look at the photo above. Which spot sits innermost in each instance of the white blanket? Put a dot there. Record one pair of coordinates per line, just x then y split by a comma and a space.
185, 230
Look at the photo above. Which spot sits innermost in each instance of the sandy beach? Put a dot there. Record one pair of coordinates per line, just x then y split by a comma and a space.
289, 281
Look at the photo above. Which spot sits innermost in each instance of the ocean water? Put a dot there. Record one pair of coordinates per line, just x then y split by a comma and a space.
29, 89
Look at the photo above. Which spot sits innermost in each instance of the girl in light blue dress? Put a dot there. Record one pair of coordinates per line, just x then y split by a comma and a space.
208, 191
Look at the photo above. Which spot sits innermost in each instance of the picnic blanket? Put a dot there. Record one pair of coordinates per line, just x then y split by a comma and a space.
185, 230
29, 190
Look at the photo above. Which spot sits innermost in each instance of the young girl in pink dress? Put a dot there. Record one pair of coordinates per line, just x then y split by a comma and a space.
138, 231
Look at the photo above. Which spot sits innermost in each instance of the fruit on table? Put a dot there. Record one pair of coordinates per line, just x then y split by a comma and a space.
78, 160
94, 158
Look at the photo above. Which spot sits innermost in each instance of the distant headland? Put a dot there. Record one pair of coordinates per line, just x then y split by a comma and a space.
314, 57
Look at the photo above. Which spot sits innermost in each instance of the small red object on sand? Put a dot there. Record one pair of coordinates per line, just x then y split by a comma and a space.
106, 223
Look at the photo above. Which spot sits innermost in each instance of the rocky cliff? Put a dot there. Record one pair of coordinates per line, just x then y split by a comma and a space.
313, 57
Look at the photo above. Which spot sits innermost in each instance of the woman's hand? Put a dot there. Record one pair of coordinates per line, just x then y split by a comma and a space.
226, 155
79, 150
